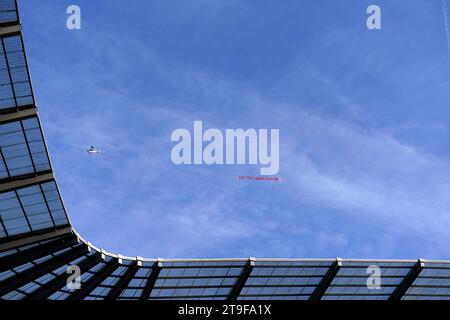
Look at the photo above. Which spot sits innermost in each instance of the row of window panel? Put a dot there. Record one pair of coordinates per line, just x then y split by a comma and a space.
441, 265
277, 291
381, 264
99, 292
206, 264
137, 283
190, 292
428, 291
15, 86
196, 282
295, 271
293, 263
434, 282
286, 281
365, 272
143, 272
218, 298
200, 272
422, 297
362, 281
435, 272
277, 297
366, 290
356, 297
131, 293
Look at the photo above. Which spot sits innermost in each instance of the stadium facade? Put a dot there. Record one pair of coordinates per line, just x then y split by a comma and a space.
38, 242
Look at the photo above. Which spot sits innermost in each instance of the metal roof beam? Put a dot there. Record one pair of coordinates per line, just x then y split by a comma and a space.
27, 182
240, 283
326, 280
152, 279
10, 29
18, 115
406, 283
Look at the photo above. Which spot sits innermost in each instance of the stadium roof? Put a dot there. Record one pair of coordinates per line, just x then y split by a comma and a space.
38, 242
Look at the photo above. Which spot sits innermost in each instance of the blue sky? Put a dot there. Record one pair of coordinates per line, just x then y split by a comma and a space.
363, 118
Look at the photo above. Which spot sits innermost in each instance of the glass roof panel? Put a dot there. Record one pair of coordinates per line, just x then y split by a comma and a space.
284, 279
30, 209
432, 282
197, 280
8, 11
15, 64
22, 148
353, 279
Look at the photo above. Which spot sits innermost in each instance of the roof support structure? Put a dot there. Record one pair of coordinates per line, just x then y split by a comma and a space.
10, 29
401, 289
240, 283
152, 280
22, 183
22, 176
326, 280
18, 115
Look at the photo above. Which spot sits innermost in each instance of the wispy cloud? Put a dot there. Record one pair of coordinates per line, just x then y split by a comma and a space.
447, 32
349, 188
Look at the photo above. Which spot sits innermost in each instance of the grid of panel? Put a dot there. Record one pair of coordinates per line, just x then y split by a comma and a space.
85, 277
354, 281
30, 287
135, 288
197, 280
8, 11
284, 280
15, 85
102, 290
22, 149
433, 283
31, 209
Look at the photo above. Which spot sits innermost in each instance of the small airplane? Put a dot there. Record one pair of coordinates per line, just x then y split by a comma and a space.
92, 150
